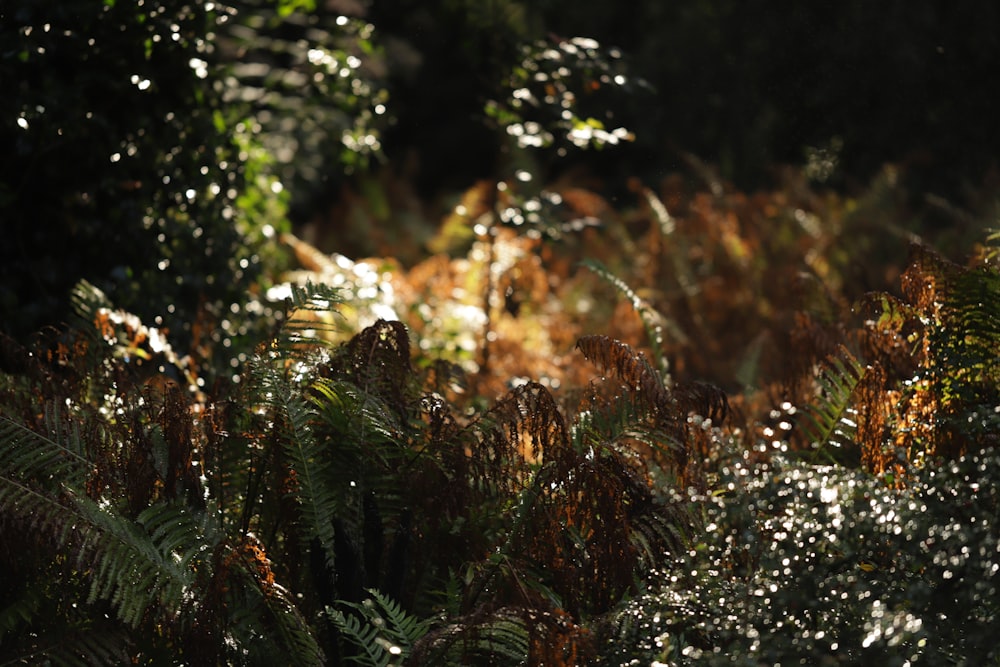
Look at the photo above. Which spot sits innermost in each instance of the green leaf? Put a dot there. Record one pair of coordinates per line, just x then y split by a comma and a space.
831, 419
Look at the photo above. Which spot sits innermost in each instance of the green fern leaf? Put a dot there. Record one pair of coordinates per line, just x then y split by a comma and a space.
26, 454
832, 420
293, 419
364, 636
351, 410
315, 495
316, 298
387, 633
404, 628
499, 639
139, 566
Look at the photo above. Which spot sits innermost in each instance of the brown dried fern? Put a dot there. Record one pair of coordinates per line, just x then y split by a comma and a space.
631, 368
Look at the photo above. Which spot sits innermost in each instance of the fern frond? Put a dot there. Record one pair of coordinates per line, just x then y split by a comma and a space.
364, 636
959, 351
832, 419
39, 472
298, 644
970, 323
991, 247
367, 444
304, 312
130, 567
404, 628
620, 425
314, 296
381, 630
377, 360
523, 429
105, 330
501, 638
350, 410
505, 639
655, 323
660, 532
136, 566
293, 418
630, 367
702, 399
262, 620
315, 493
28, 455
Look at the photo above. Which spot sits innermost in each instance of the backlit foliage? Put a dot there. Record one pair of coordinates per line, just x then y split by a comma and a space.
556, 94
834, 394
698, 426
601, 466
664, 423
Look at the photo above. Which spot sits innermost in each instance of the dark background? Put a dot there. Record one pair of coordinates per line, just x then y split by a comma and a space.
743, 84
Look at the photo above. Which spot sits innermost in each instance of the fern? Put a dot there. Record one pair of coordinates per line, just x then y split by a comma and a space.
937, 353
293, 422
298, 644
153, 566
501, 638
27, 455
367, 441
630, 367
383, 632
667, 406
349, 409
309, 310
656, 324
315, 495
294, 416
134, 565
505, 639
832, 418
963, 307
365, 636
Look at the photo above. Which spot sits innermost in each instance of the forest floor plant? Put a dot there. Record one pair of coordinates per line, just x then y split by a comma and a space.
364, 491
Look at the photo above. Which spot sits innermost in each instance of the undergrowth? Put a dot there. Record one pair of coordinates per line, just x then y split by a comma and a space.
701, 445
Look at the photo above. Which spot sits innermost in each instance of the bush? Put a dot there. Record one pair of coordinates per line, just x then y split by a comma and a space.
120, 168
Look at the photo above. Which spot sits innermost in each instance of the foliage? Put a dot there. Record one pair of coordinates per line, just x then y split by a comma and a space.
824, 564
548, 90
388, 634
310, 78
833, 419
833, 382
814, 562
688, 425
167, 123
114, 125
103, 485
217, 509
931, 387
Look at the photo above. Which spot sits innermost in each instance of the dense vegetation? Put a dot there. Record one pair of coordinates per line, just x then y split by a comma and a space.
489, 400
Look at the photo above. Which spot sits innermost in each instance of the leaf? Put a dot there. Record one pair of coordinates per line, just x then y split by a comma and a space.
655, 323
307, 308
832, 420
381, 629
630, 367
